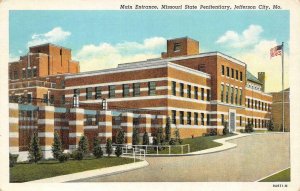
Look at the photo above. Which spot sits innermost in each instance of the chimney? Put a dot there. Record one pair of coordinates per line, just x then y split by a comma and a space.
262, 78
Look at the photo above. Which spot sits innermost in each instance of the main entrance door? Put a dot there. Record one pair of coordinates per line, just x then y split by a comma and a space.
232, 122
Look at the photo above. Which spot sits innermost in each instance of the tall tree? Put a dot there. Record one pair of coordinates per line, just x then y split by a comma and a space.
168, 130
135, 136
56, 146
145, 139
35, 151
83, 144
109, 147
97, 150
120, 141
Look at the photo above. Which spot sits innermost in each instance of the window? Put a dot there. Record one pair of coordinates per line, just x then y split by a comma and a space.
29, 73
76, 92
63, 84
177, 47
29, 98
232, 73
248, 121
16, 76
262, 106
111, 91
136, 89
258, 122
227, 71
189, 91
98, 93
63, 99
236, 96
222, 119
202, 93
240, 120
202, 118
181, 90
51, 99
248, 103
259, 105
151, 87
208, 94
34, 72
207, 119
237, 74
255, 105
173, 117
125, 90
189, 122
231, 95
181, 116
196, 92
195, 118
223, 70
45, 98
252, 103
89, 93
222, 92
174, 88
227, 92
241, 76
24, 74
255, 124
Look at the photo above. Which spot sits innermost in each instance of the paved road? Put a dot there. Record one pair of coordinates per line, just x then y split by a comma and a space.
256, 156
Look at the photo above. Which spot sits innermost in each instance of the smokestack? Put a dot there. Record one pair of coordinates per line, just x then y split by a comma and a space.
262, 78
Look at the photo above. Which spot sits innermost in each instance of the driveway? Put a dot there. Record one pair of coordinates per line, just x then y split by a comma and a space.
255, 156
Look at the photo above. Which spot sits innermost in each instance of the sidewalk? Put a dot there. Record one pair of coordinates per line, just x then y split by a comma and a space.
92, 173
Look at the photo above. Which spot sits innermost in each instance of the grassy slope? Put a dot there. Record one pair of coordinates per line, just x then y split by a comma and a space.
283, 176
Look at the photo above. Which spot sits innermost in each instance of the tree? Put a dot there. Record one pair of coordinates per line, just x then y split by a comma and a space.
145, 139
35, 151
160, 136
249, 128
56, 146
168, 130
108, 147
120, 141
97, 151
225, 129
271, 125
177, 135
83, 144
135, 136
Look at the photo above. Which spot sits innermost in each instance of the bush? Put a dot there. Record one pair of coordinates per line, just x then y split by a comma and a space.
56, 146
177, 136
83, 145
135, 136
35, 151
212, 131
271, 125
120, 141
172, 141
109, 148
63, 157
78, 154
146, 139
97, 150
249, 128
13, 159
225, 129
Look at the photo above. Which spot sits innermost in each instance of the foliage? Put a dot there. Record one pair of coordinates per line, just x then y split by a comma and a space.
35, 151
56, 146
135, 136
168, 130
78, 154
225, 129
177, 136
172, 141
249, 128
13, 159
97, 151
83, 145
212, 132
271, 125
145, 139
109, 148
120, 140
63, 157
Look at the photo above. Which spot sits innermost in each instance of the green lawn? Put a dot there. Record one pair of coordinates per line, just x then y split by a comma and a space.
196, 144
24, 172
260, 131
283, 176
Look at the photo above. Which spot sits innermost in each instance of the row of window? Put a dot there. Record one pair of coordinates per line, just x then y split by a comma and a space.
230, 72
254, 104
112, 90
27, 73
189, 91
258, 123
189, 116
232, 95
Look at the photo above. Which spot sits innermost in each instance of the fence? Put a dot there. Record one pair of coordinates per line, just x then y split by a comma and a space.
136, 153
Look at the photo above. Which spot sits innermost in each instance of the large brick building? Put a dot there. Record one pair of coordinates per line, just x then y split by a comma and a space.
198, 91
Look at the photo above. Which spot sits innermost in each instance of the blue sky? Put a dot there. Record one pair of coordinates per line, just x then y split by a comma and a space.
102, 39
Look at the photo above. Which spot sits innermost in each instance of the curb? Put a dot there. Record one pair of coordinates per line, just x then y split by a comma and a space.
272, 174
92, 173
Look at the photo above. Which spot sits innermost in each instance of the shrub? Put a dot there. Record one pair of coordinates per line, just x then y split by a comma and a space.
120, 141
13, 159
225, 129
177, 136
135, 136
56, 146
63, 157
271, 125
249, 128
172, 141
83, 144
109, 148
97, 150
78, 154
212, 131
168, 130
145, 139
35, 152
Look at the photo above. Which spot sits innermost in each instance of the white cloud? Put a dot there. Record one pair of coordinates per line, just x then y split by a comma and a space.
55, 35
248, 37
105, 55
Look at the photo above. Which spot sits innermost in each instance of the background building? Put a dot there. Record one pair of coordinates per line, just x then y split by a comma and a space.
277, 110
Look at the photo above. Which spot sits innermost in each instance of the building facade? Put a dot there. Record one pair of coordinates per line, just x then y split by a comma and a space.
198, 91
